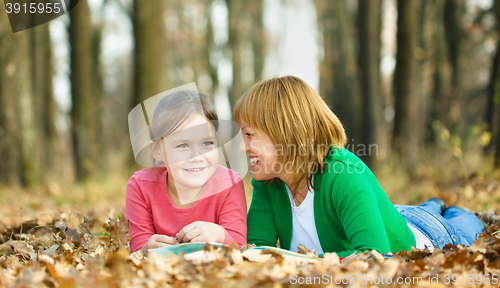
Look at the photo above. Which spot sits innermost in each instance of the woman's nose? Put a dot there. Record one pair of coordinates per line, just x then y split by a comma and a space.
242, 146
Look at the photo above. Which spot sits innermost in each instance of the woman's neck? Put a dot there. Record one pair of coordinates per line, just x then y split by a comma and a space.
299, 194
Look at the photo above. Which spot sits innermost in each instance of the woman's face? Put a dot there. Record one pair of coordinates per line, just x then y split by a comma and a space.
262, 152
191, 154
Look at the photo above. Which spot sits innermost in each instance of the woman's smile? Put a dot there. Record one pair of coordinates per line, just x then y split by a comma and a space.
254, 161
261, 151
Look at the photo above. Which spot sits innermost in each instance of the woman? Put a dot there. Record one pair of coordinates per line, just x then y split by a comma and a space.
308, 189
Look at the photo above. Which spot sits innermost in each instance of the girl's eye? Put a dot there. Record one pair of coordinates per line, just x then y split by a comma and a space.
184, 145
248, 134
208, 143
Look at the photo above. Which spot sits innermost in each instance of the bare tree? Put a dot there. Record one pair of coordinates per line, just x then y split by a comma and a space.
150, 67
440, 97
455, 36
210, 51
258, 38
83, 91
405, 136
44, 107
235, 10
372, 124
339, 84
11, 158
492, 116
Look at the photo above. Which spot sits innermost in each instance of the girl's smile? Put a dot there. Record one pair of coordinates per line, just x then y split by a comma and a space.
195, 170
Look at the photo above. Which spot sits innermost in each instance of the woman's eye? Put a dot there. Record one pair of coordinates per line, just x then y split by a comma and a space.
248, 134
208, 143
182, 146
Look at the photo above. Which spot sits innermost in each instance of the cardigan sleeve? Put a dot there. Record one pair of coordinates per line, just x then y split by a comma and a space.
139, 216
233, 216
261, 227
355, 203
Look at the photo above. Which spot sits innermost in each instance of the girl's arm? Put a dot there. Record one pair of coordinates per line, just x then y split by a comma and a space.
140, 219
261, 227
233, 215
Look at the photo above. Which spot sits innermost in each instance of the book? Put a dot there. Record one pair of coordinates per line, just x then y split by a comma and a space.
197, 251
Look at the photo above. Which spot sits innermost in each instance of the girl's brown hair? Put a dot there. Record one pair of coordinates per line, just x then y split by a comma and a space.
293, 115
174, 109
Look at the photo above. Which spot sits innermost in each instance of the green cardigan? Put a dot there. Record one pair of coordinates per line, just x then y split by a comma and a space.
351, 211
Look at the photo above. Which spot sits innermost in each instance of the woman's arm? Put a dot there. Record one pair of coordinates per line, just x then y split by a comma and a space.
357, 208
261, 227
233, 216
140, 219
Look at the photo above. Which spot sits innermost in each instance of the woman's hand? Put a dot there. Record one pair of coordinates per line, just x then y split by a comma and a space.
158, 241
201, 231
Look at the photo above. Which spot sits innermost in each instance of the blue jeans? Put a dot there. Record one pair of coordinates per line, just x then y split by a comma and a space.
456, 226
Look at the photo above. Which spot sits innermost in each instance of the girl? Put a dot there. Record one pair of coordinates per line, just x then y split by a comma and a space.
308, 189
190, 198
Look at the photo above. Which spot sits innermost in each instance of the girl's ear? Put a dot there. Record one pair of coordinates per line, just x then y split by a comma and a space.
155, 151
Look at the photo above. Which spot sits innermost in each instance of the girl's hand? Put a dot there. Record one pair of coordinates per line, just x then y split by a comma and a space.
201, 231
158, 241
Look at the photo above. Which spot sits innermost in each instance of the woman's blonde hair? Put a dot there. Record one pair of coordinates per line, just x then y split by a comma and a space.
293, 115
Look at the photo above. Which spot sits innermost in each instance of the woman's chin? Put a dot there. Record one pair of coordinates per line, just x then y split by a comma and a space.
260, 176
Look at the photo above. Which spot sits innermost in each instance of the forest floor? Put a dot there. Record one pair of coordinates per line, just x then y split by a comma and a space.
56, 236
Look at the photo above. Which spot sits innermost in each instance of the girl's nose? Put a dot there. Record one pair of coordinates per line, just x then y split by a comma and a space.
197, 154
196, 157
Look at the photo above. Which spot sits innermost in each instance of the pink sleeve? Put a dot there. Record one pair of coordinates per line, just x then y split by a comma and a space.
140, 219
233, 216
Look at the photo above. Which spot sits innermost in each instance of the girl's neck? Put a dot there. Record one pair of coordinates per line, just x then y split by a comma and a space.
189, 195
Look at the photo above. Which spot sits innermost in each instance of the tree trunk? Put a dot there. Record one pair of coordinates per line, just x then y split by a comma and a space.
258, 39
405, 136
101, 99
83, 111
338, 80
454, 13
11, 161
27, 128
497, 139
492, 116
235, 8
150, 67
372, 123
44, 104
211, 50
439, 98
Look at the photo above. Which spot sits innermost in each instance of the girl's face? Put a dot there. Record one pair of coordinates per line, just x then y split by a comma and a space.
262, 152
191, 153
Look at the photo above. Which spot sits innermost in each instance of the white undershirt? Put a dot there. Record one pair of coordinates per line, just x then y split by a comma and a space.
421, 239
304, 227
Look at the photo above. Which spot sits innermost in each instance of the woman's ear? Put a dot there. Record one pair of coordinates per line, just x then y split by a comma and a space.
155, 151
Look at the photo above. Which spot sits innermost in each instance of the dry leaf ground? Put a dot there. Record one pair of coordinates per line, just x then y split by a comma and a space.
66, 239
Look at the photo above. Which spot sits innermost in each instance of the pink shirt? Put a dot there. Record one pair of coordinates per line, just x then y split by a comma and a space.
150, 210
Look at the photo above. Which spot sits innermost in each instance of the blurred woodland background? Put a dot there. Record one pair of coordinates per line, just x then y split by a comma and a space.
417, 81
